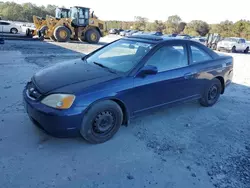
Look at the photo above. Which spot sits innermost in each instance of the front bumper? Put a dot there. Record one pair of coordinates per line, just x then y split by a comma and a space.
58, 123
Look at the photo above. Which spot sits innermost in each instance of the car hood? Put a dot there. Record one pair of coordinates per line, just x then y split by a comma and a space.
227, 43
70, 72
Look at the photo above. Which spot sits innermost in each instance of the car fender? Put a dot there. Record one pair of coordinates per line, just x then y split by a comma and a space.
120, 102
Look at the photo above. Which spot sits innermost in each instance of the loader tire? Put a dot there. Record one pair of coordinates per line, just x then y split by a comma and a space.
62, 34
42, 32
92, 36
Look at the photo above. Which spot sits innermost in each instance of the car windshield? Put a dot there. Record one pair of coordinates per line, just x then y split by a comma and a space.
120, 56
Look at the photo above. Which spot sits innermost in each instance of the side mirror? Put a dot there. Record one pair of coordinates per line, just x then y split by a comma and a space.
147, 70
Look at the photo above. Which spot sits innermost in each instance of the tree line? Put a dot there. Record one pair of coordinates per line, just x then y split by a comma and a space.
174, 24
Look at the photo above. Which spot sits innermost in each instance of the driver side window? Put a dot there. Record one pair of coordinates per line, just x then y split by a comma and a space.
169, 57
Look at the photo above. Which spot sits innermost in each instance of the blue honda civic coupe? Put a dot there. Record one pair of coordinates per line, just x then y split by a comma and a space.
95, 95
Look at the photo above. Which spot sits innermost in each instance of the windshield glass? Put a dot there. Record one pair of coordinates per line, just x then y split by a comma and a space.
121, 55
73, 13
61, 13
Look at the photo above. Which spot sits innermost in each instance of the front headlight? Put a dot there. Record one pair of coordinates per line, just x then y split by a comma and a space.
59, 101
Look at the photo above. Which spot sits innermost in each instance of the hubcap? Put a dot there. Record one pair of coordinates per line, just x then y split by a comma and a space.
93, 37
63, 34
103, 122
213, 92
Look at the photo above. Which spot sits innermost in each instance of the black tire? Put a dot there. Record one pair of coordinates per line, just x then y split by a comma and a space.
14, 30
101, 122
212, 93
246, 50
42, 32
233, 50
62, 34
92, 36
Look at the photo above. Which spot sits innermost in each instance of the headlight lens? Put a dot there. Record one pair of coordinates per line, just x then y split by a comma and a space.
59, 101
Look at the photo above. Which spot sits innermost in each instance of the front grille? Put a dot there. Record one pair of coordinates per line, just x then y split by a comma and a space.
32, 92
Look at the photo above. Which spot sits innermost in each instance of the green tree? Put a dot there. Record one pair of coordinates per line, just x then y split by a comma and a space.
240, 28
181, 27
172, 24
140, 23
197, 27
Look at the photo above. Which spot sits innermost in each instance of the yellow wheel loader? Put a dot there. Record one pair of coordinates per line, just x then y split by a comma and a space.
41, 23
79, 26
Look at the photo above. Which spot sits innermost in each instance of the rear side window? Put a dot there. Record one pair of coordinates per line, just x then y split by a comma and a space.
199, 55
4, 23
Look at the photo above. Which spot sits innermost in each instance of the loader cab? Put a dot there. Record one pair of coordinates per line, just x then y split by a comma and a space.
80, 16
62, 13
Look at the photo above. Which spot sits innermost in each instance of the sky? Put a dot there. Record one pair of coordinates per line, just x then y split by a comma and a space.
211, 11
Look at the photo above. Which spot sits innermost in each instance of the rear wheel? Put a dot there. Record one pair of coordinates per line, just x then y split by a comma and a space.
92, 36
246, 50
62, 34
14, 30
211, 93
101, 122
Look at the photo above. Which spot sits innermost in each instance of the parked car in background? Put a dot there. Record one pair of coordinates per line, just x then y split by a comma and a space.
131, 33
95, 95
233, 44
122, 33
184, 36
139, 33
156, 33
201, 40
9, 27
113, 31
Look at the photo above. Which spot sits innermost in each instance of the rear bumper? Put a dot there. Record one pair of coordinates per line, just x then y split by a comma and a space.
58, 123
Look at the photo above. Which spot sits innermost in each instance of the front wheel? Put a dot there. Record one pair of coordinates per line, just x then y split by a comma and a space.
14, 30
101, 122
246, 50
62, 34
211, 93
92, 36
233, 50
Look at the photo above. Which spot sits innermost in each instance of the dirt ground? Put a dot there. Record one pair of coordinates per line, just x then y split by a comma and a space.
187, 146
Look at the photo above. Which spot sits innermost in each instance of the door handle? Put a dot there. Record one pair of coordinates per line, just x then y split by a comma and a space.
190, 75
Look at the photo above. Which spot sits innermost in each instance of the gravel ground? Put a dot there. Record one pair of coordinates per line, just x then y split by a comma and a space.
185, 146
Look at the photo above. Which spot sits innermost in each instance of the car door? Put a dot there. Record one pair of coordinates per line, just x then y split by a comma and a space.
171, 84
238, 45
242, 44
200, 61
5, 26
2, 27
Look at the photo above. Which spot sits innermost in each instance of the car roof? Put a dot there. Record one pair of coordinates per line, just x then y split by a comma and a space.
152, 38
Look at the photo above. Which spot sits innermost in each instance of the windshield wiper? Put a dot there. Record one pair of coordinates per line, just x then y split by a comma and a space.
103, 66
